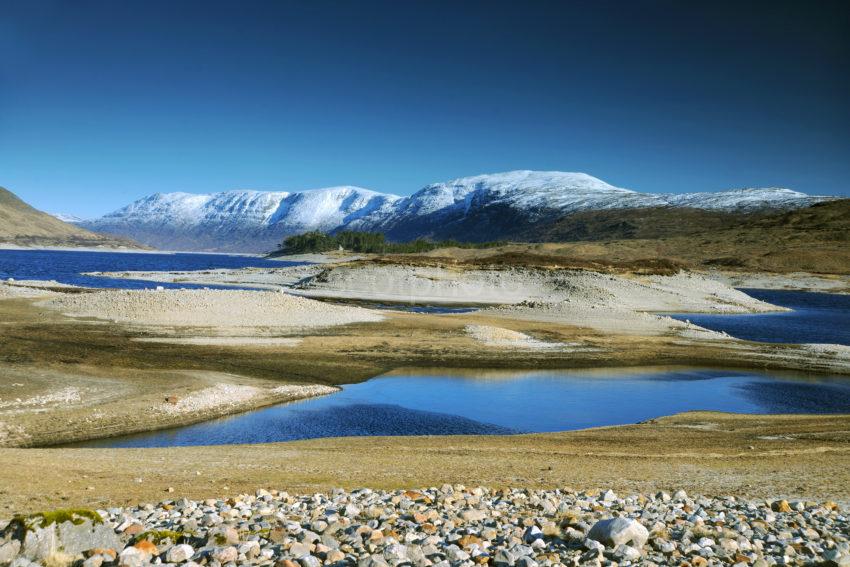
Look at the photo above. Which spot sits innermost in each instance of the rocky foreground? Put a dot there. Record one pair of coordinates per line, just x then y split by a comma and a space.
447, 527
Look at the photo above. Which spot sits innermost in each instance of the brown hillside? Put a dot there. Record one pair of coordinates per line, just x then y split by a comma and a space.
22, 225
815, 239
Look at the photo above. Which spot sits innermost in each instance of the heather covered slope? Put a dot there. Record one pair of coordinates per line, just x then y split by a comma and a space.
814, 239
827, 220
22, 225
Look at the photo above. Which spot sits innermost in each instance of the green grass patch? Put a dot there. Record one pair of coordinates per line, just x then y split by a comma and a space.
74, 515
20, 525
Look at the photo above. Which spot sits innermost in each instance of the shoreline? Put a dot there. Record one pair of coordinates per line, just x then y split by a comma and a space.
265, 403
114, 373
704, 452
219, 412
111, 249
81, 429
162, 334
119, 250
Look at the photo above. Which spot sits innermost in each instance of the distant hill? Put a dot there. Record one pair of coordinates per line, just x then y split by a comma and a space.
812, 239
645, 223
529, 205
22, 225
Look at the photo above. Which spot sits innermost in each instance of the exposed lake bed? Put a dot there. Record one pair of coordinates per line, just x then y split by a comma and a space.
569, 319
110, 360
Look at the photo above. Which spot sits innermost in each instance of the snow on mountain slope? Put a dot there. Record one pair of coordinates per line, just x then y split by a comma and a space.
473, 208
327, 209
745, 199
237, 220
525, 190
536, 189
239, 207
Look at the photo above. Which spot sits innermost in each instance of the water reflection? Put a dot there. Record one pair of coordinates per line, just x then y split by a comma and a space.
429, 402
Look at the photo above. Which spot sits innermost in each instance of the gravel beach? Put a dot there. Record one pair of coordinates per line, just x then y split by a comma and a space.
449, 526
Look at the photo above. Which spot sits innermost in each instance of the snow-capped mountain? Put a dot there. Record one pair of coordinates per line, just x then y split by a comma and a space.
483, 207
491, 206
745, 199
237, 221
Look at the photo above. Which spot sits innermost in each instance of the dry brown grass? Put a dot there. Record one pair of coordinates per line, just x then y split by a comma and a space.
815, 239
22, 225
703, 453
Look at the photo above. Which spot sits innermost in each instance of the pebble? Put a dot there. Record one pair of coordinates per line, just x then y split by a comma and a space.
449, 526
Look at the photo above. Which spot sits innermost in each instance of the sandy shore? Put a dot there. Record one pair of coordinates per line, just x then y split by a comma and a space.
505, 338
802, 281
11, 288
221, 309
612, 303
42, 406
684, 292
288, 276
267, 278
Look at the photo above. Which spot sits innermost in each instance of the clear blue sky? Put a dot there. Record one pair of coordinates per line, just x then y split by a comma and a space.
102, 102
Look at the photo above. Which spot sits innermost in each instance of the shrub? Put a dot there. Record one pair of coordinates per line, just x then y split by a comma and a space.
368, 243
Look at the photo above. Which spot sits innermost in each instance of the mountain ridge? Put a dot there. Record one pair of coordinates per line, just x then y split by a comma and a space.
481, 207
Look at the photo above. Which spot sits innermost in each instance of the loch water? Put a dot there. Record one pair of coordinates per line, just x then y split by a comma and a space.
483, 403
69, 266
815, 318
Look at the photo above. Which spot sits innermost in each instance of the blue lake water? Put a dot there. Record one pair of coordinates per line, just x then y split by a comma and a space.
440, 403
816, 318
68, 266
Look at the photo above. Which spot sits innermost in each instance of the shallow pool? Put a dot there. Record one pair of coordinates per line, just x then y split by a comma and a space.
444, 403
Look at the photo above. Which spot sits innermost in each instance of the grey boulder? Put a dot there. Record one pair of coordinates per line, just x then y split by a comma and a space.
619, 531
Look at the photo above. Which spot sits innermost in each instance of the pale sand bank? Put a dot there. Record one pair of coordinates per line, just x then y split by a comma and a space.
604, 302
621, 304
801, 281
505, 338
267, 278
209, 308
13, 289
234, 396
41, 406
